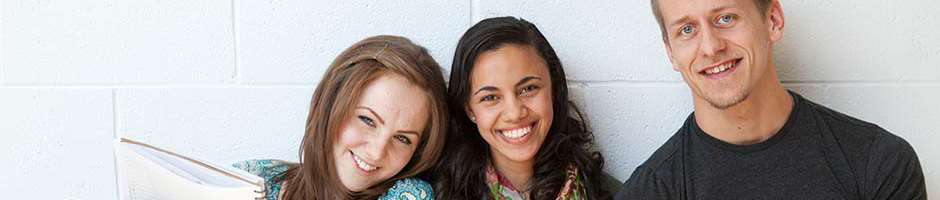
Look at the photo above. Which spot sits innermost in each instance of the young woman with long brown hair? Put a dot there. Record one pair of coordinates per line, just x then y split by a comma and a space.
377, 118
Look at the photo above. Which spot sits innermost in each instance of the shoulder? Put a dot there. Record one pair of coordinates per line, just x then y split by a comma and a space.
409, 188
884, 163
835, 119
265, 168
860, 138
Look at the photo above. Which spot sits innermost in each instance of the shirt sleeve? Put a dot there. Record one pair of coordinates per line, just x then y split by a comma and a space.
894, 171
643, 184
256, 166
409, 189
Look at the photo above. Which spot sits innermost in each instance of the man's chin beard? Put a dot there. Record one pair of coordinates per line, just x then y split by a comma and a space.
728, 103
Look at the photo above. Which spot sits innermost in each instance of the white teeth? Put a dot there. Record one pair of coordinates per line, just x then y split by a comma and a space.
517, 133
362, 164
715, 70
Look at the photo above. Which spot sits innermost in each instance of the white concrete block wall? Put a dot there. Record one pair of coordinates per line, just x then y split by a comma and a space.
223, 124
117, 42
57, 143
231, 80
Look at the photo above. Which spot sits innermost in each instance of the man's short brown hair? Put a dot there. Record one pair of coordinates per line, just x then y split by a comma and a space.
761, 6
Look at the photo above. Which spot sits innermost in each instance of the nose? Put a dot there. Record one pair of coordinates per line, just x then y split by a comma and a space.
712, 42
514, 110
377, 147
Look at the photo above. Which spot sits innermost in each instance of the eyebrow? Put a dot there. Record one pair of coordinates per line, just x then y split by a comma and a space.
383, 121
487, 88
680, 20
409, 132
686, 18
373, 113
523, 81
527, 79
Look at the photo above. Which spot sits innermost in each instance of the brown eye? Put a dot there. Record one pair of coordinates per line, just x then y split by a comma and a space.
528, 89
489, 98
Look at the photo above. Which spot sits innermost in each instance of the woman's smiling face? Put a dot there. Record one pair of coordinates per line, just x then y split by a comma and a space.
511, 102
380, 135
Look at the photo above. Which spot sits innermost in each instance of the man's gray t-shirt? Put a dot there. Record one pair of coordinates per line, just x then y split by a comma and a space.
817, 154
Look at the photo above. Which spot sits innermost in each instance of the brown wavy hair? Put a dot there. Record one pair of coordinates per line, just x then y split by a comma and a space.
338, 92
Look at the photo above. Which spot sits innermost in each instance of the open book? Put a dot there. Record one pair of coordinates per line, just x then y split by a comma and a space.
150, 173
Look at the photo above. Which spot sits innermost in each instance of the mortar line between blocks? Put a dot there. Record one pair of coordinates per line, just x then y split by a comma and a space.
2, 72
839, 83
474, 11
114, 121
144, 86
114, 113
238, 77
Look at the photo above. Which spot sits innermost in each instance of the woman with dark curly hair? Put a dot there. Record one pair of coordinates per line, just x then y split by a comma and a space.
515, 133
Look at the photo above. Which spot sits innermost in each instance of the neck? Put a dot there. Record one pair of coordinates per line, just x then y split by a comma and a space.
751, 121
518, 173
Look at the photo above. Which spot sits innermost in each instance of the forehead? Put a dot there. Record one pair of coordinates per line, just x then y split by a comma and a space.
507, 65
677, 9
397, 101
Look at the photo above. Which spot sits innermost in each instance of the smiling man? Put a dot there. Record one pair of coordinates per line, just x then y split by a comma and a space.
749, 138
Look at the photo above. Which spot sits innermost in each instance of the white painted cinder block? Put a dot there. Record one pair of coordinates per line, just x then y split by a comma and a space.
57, 144
859, 41
598, 41
117, 42
295, 41
222, 125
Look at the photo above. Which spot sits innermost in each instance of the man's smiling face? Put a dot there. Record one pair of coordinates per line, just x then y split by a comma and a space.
722, 48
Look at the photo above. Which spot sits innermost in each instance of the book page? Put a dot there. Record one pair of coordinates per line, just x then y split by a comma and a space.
195, 172
141, 178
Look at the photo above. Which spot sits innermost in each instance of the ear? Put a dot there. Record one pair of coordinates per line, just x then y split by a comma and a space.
669, 54
470, 114
775, 21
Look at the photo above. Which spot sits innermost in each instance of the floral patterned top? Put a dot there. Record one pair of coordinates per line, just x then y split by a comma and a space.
268, 169
501, 189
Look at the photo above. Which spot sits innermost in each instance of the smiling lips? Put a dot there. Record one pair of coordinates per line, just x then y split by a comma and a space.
721, 67
518, 132
362, 164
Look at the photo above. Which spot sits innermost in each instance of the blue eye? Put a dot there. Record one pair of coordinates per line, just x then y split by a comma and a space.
367, 120
687, 29
403, 139
725, 19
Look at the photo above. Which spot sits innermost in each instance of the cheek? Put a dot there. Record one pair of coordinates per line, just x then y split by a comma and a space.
486, 116
684, 53
542, 106
399, 157
348, 137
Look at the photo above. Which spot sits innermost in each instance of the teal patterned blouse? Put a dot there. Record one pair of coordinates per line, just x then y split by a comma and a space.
409, 188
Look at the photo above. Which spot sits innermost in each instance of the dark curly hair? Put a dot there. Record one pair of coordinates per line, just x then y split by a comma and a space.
461, 172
